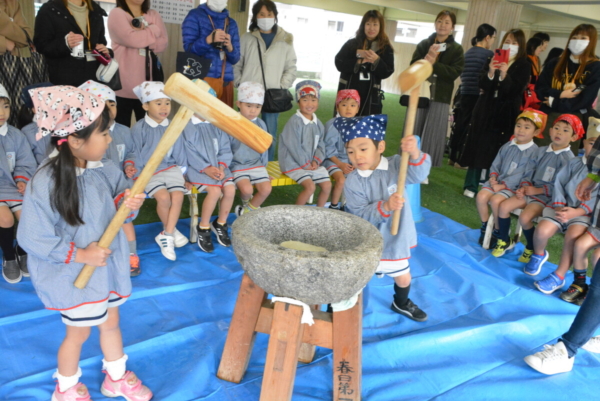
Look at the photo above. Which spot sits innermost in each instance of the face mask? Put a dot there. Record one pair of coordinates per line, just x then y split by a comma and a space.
217, 5
514, 49
577, 46
265, 24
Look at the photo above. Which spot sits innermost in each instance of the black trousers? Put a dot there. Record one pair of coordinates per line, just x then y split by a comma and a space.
461, 125
125, 107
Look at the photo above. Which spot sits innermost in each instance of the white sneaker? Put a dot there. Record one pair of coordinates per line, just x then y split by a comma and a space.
469, 194
425, 181
180, 239
167, 245
552, 360
593, 345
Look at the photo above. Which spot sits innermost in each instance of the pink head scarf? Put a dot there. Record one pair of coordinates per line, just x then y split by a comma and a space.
64, 110
347, 94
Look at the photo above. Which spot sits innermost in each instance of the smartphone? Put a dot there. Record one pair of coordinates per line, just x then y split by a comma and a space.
360, 53
501, 55
101, 57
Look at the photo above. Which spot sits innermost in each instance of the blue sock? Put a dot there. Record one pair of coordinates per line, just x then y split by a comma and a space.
529, 237
503, 228
579, 277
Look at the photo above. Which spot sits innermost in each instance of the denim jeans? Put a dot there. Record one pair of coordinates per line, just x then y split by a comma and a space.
587, 319
271, 120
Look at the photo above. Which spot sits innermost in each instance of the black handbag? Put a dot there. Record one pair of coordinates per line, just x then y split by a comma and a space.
276, 100
152, 62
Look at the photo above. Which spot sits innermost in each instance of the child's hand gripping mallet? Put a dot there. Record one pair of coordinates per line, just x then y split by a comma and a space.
194, 98
410, 81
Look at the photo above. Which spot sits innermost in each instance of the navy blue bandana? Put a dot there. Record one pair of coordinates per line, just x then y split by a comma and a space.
371, 127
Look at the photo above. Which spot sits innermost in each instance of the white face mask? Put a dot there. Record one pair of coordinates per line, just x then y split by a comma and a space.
577, 46
217, 5
514, 49
265, 24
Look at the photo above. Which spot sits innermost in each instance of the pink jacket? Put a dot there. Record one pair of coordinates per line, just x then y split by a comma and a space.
127, 42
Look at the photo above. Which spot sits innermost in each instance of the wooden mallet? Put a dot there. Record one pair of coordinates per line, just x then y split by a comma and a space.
194, 98
410, 81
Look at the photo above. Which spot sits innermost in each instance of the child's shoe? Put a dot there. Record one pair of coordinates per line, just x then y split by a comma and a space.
550, 284
167, 245
410, 310
180, 239
501, 247
78, 392
129, 387
134, 265
580, 300
239, 210
525, 256
574, 293
552, 360
204, 240
534, 266
593, 345
22, 259
11, 271
338, 207
221, 233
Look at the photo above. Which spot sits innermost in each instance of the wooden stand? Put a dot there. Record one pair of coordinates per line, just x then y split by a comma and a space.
291, 341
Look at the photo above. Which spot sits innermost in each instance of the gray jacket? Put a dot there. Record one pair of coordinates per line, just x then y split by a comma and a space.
279, 60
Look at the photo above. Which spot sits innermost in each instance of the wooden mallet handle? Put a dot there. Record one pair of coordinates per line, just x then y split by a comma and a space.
410, 81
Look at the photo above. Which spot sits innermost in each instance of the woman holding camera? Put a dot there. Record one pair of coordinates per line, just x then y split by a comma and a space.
66, 33
278, 58
137, 34
365, 60
448, 60
209, 32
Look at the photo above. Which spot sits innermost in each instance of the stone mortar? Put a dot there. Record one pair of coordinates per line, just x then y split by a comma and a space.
354, 248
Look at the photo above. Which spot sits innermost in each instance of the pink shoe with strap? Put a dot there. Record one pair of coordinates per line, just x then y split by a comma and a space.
129, 387
78, 392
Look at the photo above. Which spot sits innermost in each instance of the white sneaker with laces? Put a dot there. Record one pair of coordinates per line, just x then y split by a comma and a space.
167, 245
593, 345
180, 239
552, 360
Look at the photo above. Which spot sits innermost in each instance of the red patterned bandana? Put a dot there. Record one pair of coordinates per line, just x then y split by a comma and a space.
574, 122
347, 94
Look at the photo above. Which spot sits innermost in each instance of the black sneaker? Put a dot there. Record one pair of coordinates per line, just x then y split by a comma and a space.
410, 310
11, 271
338, 207
221, 233
481, 237
22, 260
343, 208
204, 240
574, 293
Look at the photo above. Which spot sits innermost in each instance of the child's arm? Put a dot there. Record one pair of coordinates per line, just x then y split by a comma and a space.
559, 196
290, 140
25, 163
419, 163
224, 156
129, 162
319, 155
497, 165
359, 204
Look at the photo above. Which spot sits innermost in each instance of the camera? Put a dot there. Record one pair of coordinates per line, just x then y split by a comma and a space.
139, 22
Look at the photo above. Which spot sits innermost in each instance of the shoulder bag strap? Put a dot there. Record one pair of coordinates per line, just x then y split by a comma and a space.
262, 69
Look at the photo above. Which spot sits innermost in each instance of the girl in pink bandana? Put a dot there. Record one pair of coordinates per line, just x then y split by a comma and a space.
67, 206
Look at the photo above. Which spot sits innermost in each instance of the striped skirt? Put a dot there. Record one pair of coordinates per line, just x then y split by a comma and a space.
435, 131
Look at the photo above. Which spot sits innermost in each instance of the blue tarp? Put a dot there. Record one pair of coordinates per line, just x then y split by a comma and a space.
484, 317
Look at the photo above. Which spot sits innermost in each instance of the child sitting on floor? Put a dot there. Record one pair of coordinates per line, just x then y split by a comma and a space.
208, 153
249, 168
301, 146
337, 164
167, 185
535, 191
508, 168
567, 214
370, 193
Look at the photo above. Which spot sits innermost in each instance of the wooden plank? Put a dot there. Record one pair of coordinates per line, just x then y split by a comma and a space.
319, 334
282, 354
307, 351
240, 337
347, 353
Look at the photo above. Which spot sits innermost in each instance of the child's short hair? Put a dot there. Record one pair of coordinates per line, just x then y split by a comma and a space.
5, 99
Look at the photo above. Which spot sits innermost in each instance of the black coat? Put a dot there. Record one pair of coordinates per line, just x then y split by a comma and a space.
370, 89
52, 24
495, 113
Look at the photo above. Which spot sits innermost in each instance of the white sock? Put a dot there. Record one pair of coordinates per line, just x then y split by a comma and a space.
66, 382
116, 369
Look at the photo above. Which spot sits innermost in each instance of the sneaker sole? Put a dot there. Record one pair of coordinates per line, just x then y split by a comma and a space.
14, 281
217, 235
593, 350
539, 269
573, 300
161, 250
108, 394
546, 371
548, 292
202, 249
399, 311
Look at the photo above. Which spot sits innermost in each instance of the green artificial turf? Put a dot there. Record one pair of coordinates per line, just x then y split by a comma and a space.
443, 194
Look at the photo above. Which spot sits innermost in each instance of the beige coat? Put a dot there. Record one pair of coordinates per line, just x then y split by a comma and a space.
11, 22
279, 60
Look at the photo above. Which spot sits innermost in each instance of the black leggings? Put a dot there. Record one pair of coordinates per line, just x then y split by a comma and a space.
124, 108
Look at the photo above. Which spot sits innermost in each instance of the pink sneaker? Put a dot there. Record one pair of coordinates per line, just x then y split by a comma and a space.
129, 387
78, 392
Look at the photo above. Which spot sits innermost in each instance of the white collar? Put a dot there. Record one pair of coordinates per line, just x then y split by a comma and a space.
383, 165
305, 120
4, 129
524, 146
550, 149
112, 127
196, 120
154, 124
575, 60
584, 160
79, 170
